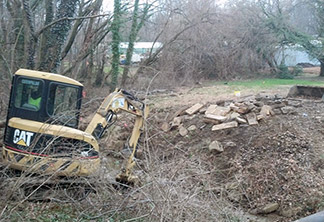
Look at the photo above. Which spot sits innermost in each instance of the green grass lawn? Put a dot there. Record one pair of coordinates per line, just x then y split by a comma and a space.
274, 82
267, 83
254, 85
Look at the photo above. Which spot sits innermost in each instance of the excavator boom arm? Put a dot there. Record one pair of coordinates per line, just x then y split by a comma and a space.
118, 101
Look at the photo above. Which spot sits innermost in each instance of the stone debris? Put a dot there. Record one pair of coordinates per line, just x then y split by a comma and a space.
216, 146
288, 110
217, 110
294, 103
212, 121
210, 109
233, 116
260, 117
192, 110
216, 117
241, 108
176, 122
241, 120
252, 119
228, 125
192, 128
229, 114
266, 111
182, 130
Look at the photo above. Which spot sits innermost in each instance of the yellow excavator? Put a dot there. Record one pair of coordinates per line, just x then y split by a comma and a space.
41, 132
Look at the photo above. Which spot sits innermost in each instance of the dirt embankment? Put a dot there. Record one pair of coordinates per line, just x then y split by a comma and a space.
273, 166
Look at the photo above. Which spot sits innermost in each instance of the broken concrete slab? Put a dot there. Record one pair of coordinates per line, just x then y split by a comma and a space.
251, 118
294, 103
260, 117
195, 108
182, 130
213, 121
176, 122
249, 105
192, 128
210, 109
217, 110
233, 116
240, 108
216, 146
228, 125
216, 117
288, 110
241, 120
266, 111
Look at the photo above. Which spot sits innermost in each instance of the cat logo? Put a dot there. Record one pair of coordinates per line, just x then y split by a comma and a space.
22, 137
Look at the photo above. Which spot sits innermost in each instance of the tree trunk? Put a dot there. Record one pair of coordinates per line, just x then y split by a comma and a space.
17, 52
100, 72
30, 36
44, 42
115, 26
130, 48
59, 33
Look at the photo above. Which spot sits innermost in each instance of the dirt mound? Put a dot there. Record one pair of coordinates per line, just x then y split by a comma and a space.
275, 163
279, 169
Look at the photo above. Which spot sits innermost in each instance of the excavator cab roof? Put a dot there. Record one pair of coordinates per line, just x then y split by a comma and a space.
47, 76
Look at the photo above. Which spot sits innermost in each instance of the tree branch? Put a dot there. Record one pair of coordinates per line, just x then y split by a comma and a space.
70, 18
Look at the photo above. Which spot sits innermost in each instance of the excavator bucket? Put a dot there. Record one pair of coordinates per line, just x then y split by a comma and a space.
315, 92
125, 180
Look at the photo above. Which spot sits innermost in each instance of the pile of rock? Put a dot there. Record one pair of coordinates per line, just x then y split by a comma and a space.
232, 114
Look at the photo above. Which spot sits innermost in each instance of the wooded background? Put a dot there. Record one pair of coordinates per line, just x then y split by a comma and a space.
202, 39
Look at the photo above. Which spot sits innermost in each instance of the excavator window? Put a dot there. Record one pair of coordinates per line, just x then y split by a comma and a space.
28, 94
62, 104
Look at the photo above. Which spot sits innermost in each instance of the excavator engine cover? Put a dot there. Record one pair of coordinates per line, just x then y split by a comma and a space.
306, 91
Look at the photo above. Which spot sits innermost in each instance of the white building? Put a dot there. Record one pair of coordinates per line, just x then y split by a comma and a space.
294, 54
141, 49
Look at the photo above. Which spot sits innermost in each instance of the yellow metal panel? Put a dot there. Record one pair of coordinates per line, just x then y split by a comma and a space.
48, 76
55, 130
